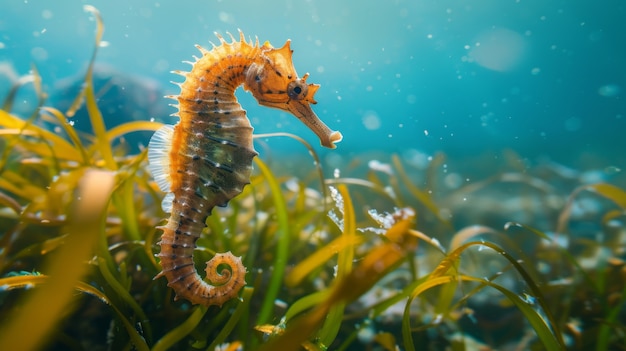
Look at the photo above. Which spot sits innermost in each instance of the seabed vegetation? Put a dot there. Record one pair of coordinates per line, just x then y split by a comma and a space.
383, 257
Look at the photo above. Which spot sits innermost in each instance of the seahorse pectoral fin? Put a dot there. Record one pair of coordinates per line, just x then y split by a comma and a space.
159, 150
158, 156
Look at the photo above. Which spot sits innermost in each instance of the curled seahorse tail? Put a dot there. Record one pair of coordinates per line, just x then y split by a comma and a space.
177, 266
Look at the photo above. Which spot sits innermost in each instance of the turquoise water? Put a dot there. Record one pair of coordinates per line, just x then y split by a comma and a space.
545, 79
525, 97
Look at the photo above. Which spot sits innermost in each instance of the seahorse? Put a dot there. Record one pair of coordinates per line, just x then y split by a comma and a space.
205, 160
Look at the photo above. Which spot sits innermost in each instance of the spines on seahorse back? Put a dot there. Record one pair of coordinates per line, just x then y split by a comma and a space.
206, 158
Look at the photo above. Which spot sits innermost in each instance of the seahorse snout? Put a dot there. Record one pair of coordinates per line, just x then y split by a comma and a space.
302, 110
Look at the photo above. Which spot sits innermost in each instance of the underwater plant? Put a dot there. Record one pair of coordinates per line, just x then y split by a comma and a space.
381, 255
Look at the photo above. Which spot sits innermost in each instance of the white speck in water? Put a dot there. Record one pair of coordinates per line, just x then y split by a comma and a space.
529, 299
280, 303
366, 335
262, 216
609, 90
336, 173
225, 17
376, 165
333, 214
371, 121
426, 132
438, 318
39, 53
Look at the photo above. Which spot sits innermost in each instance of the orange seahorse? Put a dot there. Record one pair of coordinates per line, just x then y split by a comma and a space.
206, 158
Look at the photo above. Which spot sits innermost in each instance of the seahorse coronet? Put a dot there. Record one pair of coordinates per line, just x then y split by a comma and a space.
205, 160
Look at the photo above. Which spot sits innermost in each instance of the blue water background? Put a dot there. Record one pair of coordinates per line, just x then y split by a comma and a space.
544, 78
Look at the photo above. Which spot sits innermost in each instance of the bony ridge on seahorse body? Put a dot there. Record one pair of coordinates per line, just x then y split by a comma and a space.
206, 158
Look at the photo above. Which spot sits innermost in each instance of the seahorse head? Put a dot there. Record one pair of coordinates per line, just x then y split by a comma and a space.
273, 81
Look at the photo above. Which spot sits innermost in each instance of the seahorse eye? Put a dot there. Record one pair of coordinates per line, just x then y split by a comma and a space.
297, 89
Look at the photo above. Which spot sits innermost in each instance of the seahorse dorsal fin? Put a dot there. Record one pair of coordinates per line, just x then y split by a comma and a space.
159, 157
